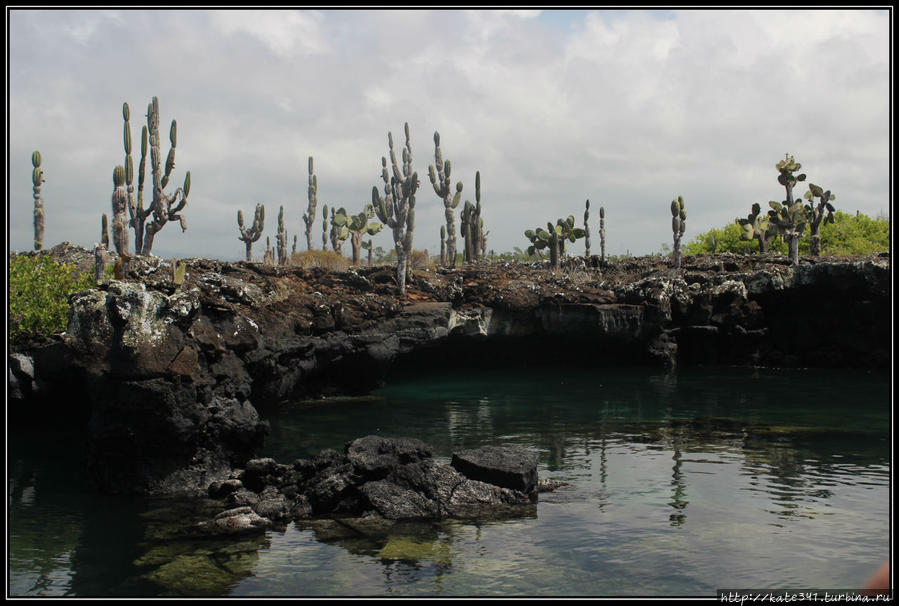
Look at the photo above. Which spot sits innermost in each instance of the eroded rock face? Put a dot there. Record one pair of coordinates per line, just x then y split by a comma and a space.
173, 376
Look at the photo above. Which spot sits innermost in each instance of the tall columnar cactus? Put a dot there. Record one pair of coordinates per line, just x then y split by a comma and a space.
758, 226
587, 228
678, 224
465, 231
440, 179
281, 238
165, 207
397, 208
325, 227
37, 178
248, 236
119, 211
602, 234
269, 257
816, 214
309, 215
472, 229
293, 250
443, 246
104, 231
138, 214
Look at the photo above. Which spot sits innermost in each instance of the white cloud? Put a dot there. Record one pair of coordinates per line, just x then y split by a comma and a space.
284, 32
628, 109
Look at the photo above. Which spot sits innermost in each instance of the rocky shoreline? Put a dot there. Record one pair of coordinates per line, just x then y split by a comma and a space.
172, 380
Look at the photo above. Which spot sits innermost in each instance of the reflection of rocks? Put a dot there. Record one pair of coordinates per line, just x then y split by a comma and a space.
378, 480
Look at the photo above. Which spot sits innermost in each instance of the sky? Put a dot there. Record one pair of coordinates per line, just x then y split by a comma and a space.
626, 108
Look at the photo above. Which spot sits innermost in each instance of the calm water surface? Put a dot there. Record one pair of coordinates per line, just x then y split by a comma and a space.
678, 484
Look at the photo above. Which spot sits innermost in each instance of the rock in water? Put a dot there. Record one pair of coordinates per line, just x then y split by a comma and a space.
512, 467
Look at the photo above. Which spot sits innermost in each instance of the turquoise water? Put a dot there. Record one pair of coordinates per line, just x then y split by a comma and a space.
678, 484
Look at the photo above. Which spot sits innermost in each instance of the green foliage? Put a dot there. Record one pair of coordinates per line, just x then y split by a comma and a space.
854, 235
847, 235
39, 288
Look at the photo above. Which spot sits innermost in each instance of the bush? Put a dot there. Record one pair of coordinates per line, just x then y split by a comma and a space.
855, 235
39, 289
849, 235
327, 259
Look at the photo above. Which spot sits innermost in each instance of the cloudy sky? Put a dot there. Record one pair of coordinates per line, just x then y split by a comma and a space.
626, 108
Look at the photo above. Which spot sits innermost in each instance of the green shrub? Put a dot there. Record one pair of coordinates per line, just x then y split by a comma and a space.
848, 235
39, 289
855, 235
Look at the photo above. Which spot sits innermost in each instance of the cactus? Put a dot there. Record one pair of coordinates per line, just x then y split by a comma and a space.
397, 208
309, 215
293, 250
790, 222
443, 246
787, 167
602, 234
119, 210
325, 227
339, 229
553, 237
472, 229
587, 229
281, 238
269, 257
678, 224
104, 231
816, 215
482, 238
100, 259
179, 270
164, 207
248, 236
37, 177
789, 216
368, 246
758, 226
440, 179
357, 226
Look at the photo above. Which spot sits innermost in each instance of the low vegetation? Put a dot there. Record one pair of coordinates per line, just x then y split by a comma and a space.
39, 289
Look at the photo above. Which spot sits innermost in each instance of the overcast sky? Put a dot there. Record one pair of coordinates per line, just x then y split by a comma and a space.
628, 109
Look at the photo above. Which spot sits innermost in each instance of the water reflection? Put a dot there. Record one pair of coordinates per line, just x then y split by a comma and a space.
686, 474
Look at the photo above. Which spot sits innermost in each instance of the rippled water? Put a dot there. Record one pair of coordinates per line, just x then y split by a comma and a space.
678, 484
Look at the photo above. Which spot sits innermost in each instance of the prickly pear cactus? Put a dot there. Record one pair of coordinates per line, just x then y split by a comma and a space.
678, 224
248, 236
758, 226
358, 226
37, 178
818, 213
